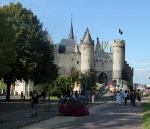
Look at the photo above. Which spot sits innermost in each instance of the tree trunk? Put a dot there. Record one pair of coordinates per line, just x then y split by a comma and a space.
8, 91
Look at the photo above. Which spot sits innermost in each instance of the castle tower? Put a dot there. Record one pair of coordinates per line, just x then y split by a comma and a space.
118, 50
71, 35
87, 53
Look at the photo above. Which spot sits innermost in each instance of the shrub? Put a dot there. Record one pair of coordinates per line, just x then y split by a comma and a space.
73, 107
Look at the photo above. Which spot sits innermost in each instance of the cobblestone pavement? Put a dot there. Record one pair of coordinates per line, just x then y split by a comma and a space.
104, 114
16, 114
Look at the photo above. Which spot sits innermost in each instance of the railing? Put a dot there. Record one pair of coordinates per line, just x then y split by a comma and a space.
97, 93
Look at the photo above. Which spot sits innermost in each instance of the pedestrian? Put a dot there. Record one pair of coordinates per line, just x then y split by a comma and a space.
131, 98
111, 95
118, 98
121, 95
134, 98
76, 93
35, 101
139, 97
44, 94
22, 95
125, 97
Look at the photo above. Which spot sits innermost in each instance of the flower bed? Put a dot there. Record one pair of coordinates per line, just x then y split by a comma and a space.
73, 107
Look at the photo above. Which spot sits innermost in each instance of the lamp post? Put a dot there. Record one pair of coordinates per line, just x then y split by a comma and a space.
86, 89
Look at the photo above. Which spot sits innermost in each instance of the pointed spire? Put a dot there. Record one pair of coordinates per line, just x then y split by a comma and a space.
97, 46
71, 35
87, 38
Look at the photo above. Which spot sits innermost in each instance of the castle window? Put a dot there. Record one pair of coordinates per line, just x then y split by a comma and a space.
84, 48
77, 62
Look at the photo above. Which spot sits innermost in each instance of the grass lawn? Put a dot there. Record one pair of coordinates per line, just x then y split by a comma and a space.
146, 114
54, 98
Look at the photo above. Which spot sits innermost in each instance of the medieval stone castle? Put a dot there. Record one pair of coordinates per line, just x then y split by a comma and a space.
90, 57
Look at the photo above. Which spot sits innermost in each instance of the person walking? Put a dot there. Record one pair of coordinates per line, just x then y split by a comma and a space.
21, 95
131, 98
134, 97
125, 97
139, 97
118, 98
111, 94
35, 101
121, 96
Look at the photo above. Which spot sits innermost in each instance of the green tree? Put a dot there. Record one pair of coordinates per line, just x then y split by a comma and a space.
7, 52
75, 75
2, 85
129, 85
34, 52
61, 85
88, 81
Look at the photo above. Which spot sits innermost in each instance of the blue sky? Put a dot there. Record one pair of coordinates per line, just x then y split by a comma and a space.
103, 18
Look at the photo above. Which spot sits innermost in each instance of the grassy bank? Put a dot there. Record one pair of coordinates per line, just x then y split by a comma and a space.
146, 114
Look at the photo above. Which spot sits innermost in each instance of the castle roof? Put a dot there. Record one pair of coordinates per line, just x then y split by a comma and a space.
67, 45
87, 38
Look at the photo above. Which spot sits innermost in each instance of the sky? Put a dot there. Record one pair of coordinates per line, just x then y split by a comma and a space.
103, 18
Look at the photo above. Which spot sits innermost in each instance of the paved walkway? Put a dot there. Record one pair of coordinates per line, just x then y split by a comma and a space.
104, 114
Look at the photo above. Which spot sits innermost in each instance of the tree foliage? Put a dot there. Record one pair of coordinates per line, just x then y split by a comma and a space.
7, 52
34, 53
61, 85
87, 81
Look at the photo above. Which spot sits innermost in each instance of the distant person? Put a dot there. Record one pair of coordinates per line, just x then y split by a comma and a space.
111, 95
134, 98
35, 101
121, 95
139, 97
44, 94
131, 98
22, 95
118, 98
125, 97
76, 93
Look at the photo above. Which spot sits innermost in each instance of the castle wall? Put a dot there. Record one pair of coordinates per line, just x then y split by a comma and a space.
128, 73
67, 61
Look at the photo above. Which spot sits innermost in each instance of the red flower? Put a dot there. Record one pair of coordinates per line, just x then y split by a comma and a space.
74, 108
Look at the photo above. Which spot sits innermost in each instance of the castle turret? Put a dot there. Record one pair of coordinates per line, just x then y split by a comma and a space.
118, 50
71, 34
97, 46
87, 53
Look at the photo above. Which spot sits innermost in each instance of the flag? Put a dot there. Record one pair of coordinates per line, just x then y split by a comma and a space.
106, 45
120, 31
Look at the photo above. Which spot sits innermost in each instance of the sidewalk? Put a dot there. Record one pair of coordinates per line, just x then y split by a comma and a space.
17, 114
102, 116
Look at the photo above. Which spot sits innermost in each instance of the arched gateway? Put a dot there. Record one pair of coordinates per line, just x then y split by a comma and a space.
102, 78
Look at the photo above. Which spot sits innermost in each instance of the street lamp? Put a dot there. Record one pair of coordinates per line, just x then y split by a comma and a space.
86, 89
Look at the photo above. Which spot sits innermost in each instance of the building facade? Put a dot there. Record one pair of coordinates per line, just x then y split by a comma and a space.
90, 57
